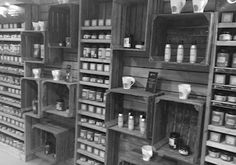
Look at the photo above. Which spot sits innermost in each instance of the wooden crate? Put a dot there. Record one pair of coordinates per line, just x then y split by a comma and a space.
188, 27
53, 90
62, 23
131, 17
183, 116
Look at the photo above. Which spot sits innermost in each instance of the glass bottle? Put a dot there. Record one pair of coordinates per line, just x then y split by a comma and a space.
120, 120
131, 122
180, 52
167, 52
193, 53
68, 73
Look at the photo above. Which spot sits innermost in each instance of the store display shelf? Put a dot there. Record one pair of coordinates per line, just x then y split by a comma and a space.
12, 135
221, 146
16, 153
101, 129
90, 114
225, 70
11, 72
10, 94
12, 117
34, 61
43, 156
222, 129
10, 103
128, 49
83, 152
51, 128
94, 72
10, 85
217, 161
223, 104
12, 30
9, 53
96, 28
94, 84
98, 41
100, 104
13, 126
227, 25
98, 146
12, 63
95, 60
11, 39
226, 43
52, 110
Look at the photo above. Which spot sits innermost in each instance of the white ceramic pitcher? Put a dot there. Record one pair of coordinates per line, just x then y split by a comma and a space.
128, 82
177, 6
199, 5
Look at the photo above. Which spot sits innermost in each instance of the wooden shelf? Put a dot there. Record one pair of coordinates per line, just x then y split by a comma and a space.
129, 49
12, 134
10, 103
227, 70
224, 104
90, 114
12, 30
221, 146
94, 72
56, 46
31, 114
217, 161
10, 85
98, 146
12, 117
59, 82
98, 41
43, 156
51, 128
186, 66
34, 61
134, 92
11, 72
96, 28
12, 63
11, 54
94, 84
11, 39
33, 32
224, 87
13, 126
100, 104
222, 129
93, 156
52, 109
97, 60
10, 94
227, 25
226, 43
101, 129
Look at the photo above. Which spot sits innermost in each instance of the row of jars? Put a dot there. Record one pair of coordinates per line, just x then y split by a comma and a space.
227, 36
10, 79
10, 48
227, 118
9, 58
97, 22
8, 99
5, 36
91, 121
94, 95
225, 97
100, 36
95, 66
10, 110
225, 59
12, 69
10, 90
93, 136
100, 52
12, 142
12, 121
223, 155
11, 130
93, 109
12, 25
95, 79
223, 79
92, 150
89, 161
222, 138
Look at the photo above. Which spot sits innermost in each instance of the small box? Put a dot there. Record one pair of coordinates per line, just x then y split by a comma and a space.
227, 17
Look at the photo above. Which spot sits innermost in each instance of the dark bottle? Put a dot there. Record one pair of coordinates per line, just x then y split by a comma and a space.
35, 106
68, 77
174, 140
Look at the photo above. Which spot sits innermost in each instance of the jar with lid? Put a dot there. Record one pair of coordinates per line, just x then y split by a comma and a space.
230, 140
230, 120
92, 95
215, 136
222, 59
220, 79
225, 36
60, 104
94, 52
174, 140
101, 52
213, 153
226, 156
86, 51
220, 97
231, 98
108, 53
217, 117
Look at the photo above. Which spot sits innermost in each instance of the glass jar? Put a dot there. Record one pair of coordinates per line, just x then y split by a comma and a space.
174, 140
225, 36
101, 52
226, 156
60, 104
94, 52
230, 120
233, 63
217, 117
220, 97
214, 153
86, 52
215, 136
222, 59
220, 79
230, 140
131, 122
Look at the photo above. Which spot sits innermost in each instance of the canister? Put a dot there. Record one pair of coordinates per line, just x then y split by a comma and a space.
85, 78
108, 22
92, 95
101, 52
231, 140
84, 107
107, 81
94, 22
231, 98
220, 78
102, 154
91, 108
99, 123
108, 53
89, 149
174, 140
60, 104
86, 22
215, 136
230, 119
99, 96
106, 68
214, 153
93, 79
103, 140
101, 36
225, 36
90, 135
226, 156
93, 66
98, 110
85, 65
222, 59
220, 97
86, 36
85, 93
232, 80
83, 133
100, 67
101, 22
217, 117
86, 51
82, 146
91, 121
108, 37
94, 52
97, 138
96, 151
100, 80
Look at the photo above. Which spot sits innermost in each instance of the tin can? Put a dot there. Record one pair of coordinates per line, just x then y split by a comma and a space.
92, 95
83, 133
90, 135
97, 138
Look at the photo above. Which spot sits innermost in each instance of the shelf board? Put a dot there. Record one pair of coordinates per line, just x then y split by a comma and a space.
90, 114
91, 155
94, 72
43, 156
97, 60
10, 85
81, 163
96, 28
32, 32
51, 128
101, 129
134, 92
225, 70
10, 103
224, 87
12, 63
60, 82
226, 43
217, 161
221, 146
34, 61
12, 30
13, 126
14, 152
12, 117
100, 104
98, 146
11, 39
94, 84
12, 134
52, 110
99, 41
11, 72
10, 94
11, 54
227, 25
129, 49
222, 129
224, 104
125, 130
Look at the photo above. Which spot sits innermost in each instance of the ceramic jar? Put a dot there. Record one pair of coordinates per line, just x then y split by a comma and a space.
199, 5
177, 6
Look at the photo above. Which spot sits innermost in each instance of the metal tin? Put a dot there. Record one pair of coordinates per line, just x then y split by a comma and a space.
89, 149
108, 37
92, 95
230, 120
220, 78
90, 135
231, 140
214, 153
84, 107
101, 36
102, 154
101, 22
225, 36
86, 52
93, 79
108, 53
220, 97
100, 80
217, 117
99, 123
98, 110
226, 156
94, 52
215, 136
91, 121
85, 93
107, 81
232, 80
86, 22
85, 65
106, 68
103, 140
231, 98
99, 67
83, 133
222, 59
94, 22
93, 66
99, 96
96, 151
85, 78
97, 138
101, 53
82, 146
108, 22
91, 108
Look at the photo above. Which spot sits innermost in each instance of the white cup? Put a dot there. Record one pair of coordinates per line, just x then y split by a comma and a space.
184, 90
36, 72
128, 82
42, 25
147, 152
56, 74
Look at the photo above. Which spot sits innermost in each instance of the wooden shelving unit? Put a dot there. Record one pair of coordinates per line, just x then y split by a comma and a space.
213, 104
